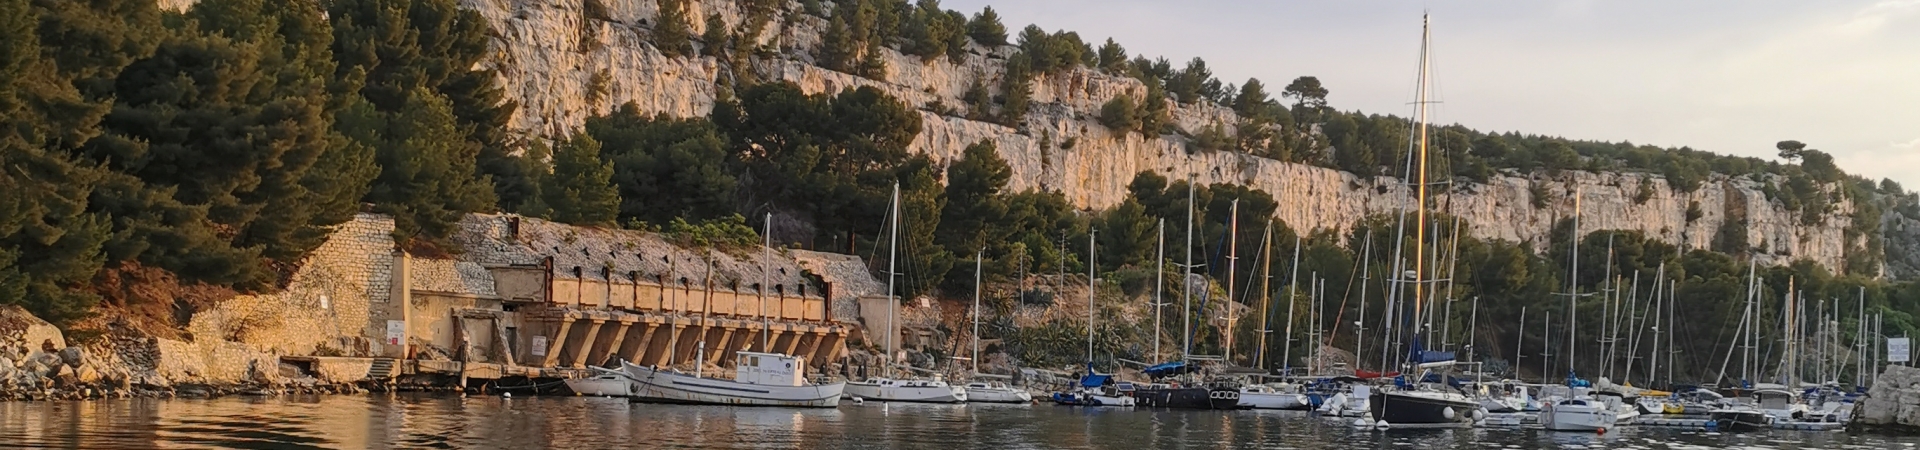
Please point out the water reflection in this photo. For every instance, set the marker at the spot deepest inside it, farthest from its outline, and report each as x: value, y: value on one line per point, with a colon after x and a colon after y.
x: 424, y: 421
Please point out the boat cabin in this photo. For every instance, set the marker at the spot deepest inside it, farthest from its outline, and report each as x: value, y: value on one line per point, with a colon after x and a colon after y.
x: 771, y: 369
x: 1773, y: 399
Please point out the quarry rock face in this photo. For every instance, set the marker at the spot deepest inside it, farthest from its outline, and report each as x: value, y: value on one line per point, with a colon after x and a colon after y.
x: 1893, y: 404
x: 548, y: 54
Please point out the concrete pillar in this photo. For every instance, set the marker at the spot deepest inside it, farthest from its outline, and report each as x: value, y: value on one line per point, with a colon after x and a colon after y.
x: 719, y: 348
x: 662, y: 342
x: 557, y: 342
x: 793, y: 340
x: 812, y: 346
x: 637, y: 341
x: 584, y: 346
x: 683, y: 348
x: 399, y: 308
x: 609, y: 343
x: 834, y: 346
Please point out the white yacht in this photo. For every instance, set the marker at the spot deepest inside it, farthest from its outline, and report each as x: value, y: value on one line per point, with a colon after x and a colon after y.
x: 760, y: 379
x: 933, y: 390
x: 1578, y: 412
x: 1262, y: 396
x: 996, y: 392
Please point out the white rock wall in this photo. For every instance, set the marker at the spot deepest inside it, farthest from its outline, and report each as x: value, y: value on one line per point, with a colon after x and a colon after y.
x: 542, y: 68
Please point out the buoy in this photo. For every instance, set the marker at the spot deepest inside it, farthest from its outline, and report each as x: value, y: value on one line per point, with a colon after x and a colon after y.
x: 506, y: 394
x: 1600, y: 431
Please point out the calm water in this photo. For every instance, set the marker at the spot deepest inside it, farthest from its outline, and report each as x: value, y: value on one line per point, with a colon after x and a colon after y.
x: 439, y: 421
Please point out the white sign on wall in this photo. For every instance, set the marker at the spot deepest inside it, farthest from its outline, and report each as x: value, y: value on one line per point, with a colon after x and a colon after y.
x: 539, y: 346
x: 396, y: 330
x: 1899, y: 350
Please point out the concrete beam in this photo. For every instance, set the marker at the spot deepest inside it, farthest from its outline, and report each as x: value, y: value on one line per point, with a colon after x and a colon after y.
x: 556, y: 343
x: 584, y: 348
x: 716, y: 351
x: 793, y: 341
x: 636, y: 342
x: 660, y: 343
x: 836, y: 344
x: 609, y: 343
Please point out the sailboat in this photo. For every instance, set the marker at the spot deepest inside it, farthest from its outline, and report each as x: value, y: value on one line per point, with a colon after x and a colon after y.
x: 1579, y: 410
x: 760, y: 379
x: 934, y: 390
x: 1415, y: 403
x: 1094, y: 388
x: 1267, y: 396
x: 1193, y: 394
x: 980, y: 391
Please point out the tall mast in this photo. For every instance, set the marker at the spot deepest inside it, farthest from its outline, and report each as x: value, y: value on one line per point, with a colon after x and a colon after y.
x: 1092, y: 262
x: 1186, y: 289
x: 893, y: 254
x: 1573, y: 282
x: 1360, y: 326
x: 1233, y: 257
x: 1420, y: 200
x: 1607, y: 313
x: 1159, y: 279
x: 1266, y: 294
x: 766, y: 325
x: 1519, y: 342
x: 1293, y: 284
x: 976, y: 308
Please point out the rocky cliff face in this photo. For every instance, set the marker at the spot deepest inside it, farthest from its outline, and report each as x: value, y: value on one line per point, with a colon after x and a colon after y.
x: 548, y: 52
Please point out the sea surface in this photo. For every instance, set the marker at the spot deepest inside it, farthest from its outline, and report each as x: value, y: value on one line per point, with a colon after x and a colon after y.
x: 452, y: 421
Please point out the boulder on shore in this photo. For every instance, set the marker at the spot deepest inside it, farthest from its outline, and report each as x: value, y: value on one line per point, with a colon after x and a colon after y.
x: 1893, y: 405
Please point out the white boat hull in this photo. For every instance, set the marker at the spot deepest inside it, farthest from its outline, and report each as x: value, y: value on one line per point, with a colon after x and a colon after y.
x: 991, y: 395
x: 1261, y: 400
x: 922, y: 394
x: 651, y: 385
x: 601, y: 386
x: 1590, y: 417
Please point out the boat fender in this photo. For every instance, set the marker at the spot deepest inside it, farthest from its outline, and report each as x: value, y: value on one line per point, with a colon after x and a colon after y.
x: 1479, y: 414
x: 859, y: 401
x: 1381, y: 425
x: 1361, y: 423
x: 1601, y: 430
x: 506, y: 395
x: 1448, y: 413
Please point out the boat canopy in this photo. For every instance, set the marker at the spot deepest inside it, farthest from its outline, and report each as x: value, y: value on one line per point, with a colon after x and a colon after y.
x: 1167, y: 369
x: 1095, y: 380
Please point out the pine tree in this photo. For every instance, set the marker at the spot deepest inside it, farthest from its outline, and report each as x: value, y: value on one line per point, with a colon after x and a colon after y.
x: 671, y: 33
x: 1017, y: 90
x: 1120, y: 114
x: 426, y: 168
x: 986, y: 29
x: 666, y: 168
x: 714, y: 41
x: 972, y: 219
x: 836, y: 45
x: 1113, y: 58
x: 580, y: 190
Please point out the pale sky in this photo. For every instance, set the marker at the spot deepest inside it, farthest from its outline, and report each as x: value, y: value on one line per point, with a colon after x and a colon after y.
x: 1730, y: 77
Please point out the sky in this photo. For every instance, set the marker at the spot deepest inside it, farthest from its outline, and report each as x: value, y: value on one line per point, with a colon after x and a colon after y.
x: 1730, y: 77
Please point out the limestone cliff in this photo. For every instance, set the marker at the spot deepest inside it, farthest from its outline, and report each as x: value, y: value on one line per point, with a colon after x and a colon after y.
x: 548, y: 51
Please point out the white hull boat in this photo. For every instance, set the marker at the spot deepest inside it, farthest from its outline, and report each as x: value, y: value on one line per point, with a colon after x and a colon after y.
x: 762, y: 379
x: 978, y: 392
x: 1262, y: 397
x: 891, y: 390
x: 1576, y: 415
x: 608, y: 384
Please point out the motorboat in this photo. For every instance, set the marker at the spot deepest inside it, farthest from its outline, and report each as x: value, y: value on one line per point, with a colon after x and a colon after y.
x: 1782, y: 404
x: 1097, y: 390
x: 607, y: 383
x: 1506, y: 398
x: 995, y: 392
x: 1624, y: 406
x: 760, y: 379
x: 1261, y: 396
x: 920, y: 390
x: 1349, y: 401
x: 1742, y: 418
x: 1579, y: 413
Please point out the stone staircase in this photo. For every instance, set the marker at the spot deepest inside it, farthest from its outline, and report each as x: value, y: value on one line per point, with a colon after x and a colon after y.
x: 382, y: 369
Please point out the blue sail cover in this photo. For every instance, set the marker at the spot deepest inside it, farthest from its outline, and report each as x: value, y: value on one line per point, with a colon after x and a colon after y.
x: 1433, y: 356
x: 1094, y: 381
x: 1165, y: 369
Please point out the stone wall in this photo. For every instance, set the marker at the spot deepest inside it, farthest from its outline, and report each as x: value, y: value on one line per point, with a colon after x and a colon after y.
x: 1893, y: 404
x: 326, y: 306
x: 545, y: 61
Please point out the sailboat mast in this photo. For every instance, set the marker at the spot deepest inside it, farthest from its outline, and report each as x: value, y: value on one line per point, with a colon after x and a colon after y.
x: 766, y: 324
x: 1159, y: 280
x: 977, y: 257
x: 1233, y: 257
x: 1266, y: 295
x: 893, y: 254
x: 1186, y: 289
x: 1293, y: 284
x: 1092, y: 262
x: 1360, y: 326
x: 1420, y: 200
x: 1519, y: 342
x: 1573, y: 282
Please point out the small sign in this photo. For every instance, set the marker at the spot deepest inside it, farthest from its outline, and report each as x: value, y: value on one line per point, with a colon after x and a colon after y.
x: 396, y: 330
x: 1899, y: 350
x: 539, y: 346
